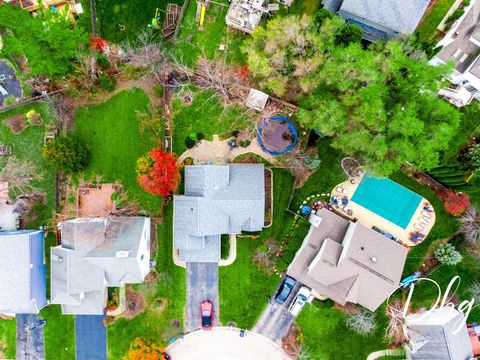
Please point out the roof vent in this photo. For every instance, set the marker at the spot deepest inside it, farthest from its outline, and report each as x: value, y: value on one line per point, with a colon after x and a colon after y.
x: 362, y: 248
x: 373, y: 259
x: 121, y: 254
x: 57, y: 258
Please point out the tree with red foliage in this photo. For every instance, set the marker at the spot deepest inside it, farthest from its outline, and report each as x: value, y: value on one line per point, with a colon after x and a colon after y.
x: 97, y: 43
x: 157, y: 172
x: 455, y: 203
x: 244, y: 72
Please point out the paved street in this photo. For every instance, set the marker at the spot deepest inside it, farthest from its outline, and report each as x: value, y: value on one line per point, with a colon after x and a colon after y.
x: 90, y: 337
x: 30, y: 341
x: 202, y: 284
x: 275, y: 320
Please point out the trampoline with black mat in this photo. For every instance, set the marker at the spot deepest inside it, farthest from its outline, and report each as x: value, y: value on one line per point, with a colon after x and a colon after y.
x: 277, y: 135
x: 9, y: 84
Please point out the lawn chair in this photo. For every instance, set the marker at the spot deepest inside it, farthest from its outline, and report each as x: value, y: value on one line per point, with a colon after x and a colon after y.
x: 423, y: 220
x: 339, y: 189
x: 426, y: 214
x: 419, y: 227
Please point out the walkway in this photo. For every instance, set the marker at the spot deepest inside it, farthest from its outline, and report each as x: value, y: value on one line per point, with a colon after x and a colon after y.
x: 384, y: 353
x: 218, y: 152
x: 30, y: 338
x: 90, y: 337
x: 202, y: 284
x: 222, y: 343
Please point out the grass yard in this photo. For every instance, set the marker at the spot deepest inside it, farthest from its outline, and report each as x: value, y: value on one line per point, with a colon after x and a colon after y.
x: 155, y: 324
x: 301, y: 7
x: 193, y: 43
x: 327, y: 338
x: 135, y: 15
x: 7, y: 339
x: 205, y: 114
x: 244, y: 289
x: 59, y: 333
x: 111, y: 130
x: 432, y: 18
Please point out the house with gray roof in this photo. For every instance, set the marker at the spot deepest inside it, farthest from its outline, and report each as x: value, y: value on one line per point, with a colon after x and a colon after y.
x: 218, y: 199
x: 437, y: 334
x: 96, y: 253
x: 380, y: 19
x: 22, y: 272
x: 461, y: 48
x: 348, y: 262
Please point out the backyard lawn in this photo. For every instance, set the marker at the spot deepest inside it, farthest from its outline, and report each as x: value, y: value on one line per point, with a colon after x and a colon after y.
x: 193, y: 43
x: 156, y: 323
x: 134, y: 15
x: 206, y: 115
x: 111, y: 130
x: 432, y: 18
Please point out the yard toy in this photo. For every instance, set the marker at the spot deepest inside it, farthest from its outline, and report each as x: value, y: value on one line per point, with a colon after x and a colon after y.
x: 202, y: 7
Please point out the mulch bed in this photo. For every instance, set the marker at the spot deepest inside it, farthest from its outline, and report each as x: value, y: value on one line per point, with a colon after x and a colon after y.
x: 135, y: 304
x: 16, y: 123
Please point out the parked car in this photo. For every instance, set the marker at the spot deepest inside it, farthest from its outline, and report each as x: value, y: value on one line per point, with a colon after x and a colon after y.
x: 285, y: 290
x: 300, y: 300
x: 206, y: 312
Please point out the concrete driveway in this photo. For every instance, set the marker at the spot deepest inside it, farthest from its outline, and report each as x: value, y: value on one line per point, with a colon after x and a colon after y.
x: 202, y: 284
x: 222, y: 343
x: 275, y: 320
x: 30, y: 340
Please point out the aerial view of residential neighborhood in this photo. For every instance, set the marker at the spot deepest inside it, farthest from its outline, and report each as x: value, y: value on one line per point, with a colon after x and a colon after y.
x: 240, y: 179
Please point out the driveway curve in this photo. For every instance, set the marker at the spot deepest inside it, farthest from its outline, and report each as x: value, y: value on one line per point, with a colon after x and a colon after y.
x: 223, y: 343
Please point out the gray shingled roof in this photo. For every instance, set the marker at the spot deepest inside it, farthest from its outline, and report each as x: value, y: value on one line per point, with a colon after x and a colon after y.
x: 96, y: 253
x: 399, y: 15
x: 16, y: 275
x: 434, y: 336
x: 348, y: 262
x: 219, y: 199
x: 459, y: 48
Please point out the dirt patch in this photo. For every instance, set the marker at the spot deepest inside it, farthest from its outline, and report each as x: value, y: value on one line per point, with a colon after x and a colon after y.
x: 16, y: 123
x: 291, y: 343
x: 158, y: 304
x: 135, y: 304
x: 347, y: 309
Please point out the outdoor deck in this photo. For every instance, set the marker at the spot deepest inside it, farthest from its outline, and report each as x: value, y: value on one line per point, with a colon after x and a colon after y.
x: 369, y: 218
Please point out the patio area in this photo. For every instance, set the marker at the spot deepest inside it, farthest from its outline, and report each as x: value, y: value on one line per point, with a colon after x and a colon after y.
x: 395, y: 211
x: 93, y: 202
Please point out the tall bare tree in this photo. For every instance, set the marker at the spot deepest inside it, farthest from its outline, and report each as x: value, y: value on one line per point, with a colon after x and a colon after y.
x: 470, y: 227
x: 361, y: 321
x: 21, y: 175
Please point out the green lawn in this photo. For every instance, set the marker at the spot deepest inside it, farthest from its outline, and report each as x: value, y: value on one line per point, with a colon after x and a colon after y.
x: 432, y: 18
x: 111, y: 130
x: 152, y: 324
x: 59, y: 334
x: 327, y: 338
x: 7, y: 338
x: 205, y: 114
x: 193, y: 43
x: 135, y: 15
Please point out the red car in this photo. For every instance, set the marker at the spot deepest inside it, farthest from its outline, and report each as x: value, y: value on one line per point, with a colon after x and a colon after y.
x: 206, y: 311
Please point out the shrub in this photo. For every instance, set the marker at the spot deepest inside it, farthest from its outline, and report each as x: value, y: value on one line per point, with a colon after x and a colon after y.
x: 162, y: 177
x: 473, y: 157
x: 447, y: 255
x: 33, y: 118
x: 235, y: 133
x: 348, y: 34
x: 107, y: 83
x: 158, y: 91
x: 320, y: 16
x: 244, y: 143
x: 103, y: 61
x: 465, y: 3
x: 189, y: 142
x: 361, y: 321
x: 9, y: 100
x: 200, y: 136
x: 66, y: 153
x: 455, y: 203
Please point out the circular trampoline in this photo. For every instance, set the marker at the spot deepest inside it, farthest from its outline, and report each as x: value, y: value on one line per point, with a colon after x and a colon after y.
x: 277, y: 135
x: 9, y: 84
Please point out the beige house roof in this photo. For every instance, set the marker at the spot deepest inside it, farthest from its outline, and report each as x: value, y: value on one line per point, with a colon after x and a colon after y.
x: 349, y: 262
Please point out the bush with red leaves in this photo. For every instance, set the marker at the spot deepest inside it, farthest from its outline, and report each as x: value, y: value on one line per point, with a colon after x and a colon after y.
x: 455, y: 203
x: 157, y: 172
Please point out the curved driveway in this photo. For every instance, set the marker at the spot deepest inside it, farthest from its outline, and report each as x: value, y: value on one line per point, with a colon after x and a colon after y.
x: 222, y: 343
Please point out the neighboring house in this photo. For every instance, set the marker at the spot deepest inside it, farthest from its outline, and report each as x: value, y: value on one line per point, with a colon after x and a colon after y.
x: 435, y: 335
x: 219, y: 199
x: 461, y: 46
x: 22, y: 272
x: 380, y: 19
x: 348, y: 262
x: 96, y: 253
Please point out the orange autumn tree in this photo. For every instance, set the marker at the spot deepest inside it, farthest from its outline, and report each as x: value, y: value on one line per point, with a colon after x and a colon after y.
x: 140, y: 349
x: 157, y: 172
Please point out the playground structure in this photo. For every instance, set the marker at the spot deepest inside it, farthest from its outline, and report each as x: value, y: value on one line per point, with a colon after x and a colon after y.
x: 277, y: 135
x: 245, y: 15
x: 170, y: 23
x: 69, y: 7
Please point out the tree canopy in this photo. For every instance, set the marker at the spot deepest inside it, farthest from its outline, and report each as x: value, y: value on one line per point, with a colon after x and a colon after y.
x: 35, y: 37
x: 157, y: 172
x: 378, y: 103
x: 66, y: 153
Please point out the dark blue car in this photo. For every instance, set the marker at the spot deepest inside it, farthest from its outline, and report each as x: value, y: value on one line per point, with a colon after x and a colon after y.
x: 285, y: 290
